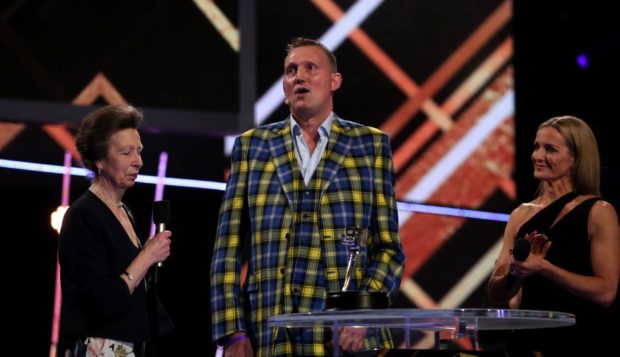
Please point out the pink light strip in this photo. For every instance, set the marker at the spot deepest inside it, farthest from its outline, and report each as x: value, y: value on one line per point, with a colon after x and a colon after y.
x: 64, y: 201
x: 159, y: 186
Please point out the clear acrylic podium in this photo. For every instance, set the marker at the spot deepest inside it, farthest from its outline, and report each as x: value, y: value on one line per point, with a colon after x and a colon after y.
x: 456, y: 322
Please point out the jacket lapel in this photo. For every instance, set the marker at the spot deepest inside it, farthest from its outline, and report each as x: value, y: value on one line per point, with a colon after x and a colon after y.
x: 283, y: 156
x: 337, y: 149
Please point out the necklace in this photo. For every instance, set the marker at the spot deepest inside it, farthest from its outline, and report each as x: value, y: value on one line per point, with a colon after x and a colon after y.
x: 127, y: 225
x: 97, y: 193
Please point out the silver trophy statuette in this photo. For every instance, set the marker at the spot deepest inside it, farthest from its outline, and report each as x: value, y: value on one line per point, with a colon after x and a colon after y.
x: 355, y: 241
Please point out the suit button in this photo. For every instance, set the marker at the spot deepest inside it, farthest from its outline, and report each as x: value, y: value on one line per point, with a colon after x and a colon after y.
x: 288, y: 236
x: 296, y: 290
x: 282, y: 270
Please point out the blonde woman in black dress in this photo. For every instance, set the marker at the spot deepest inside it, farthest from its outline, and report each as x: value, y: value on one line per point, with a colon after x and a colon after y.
x: 574, y: 262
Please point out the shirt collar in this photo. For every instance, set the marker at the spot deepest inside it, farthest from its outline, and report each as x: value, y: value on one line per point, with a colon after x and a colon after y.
x: 324, y: 129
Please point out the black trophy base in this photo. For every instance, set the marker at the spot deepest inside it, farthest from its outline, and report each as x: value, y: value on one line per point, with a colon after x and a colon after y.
x: 355, y: 300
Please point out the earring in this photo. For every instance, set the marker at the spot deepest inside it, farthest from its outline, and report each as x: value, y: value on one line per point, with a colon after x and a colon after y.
x: 99, y: 171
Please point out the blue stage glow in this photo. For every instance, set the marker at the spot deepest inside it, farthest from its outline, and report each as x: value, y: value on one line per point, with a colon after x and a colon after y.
x: 583, y: 60
x: 220, y: 186
x: 451, y: 211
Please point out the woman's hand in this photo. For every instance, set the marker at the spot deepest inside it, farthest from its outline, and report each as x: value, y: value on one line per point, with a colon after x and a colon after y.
x: 539, y: 243
x: 539, y: 246
x: 157, y: 248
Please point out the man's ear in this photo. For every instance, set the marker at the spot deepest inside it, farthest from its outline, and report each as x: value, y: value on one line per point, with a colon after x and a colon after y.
x: 336, y: 81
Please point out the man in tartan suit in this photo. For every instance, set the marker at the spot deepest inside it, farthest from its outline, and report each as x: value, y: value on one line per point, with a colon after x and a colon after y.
x: 294, y: 188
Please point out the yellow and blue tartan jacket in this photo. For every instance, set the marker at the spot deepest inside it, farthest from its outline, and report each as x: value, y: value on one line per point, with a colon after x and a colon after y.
x: 295, y: 255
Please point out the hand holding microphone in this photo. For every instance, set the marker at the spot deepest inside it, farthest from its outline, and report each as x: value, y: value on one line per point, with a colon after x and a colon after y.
x: 520, y: 252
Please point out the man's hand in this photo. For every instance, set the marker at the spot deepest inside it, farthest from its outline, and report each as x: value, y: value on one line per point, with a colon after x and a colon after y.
x: 351, y: 339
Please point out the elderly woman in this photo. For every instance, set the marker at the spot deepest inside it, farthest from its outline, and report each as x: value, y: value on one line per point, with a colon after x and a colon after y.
x: 108, y: 304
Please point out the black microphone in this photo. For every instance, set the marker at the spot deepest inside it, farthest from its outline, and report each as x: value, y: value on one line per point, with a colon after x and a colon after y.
x: 520, y: 252
x: 161, y: 217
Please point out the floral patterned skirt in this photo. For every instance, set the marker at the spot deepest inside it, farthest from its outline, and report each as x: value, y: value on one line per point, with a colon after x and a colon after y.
x: 99, y: 347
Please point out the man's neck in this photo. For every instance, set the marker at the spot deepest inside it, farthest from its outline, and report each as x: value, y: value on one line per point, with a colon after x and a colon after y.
x: 310, y: 126
x: 310, y: 129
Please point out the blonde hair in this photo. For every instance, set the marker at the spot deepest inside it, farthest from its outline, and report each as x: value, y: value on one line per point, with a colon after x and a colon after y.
x: 586, y: 171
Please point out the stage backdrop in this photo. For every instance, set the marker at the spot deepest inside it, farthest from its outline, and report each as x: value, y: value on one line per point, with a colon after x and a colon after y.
x: 437, y: 76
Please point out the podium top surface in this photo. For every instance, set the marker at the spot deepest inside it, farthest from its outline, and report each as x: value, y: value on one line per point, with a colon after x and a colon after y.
x: 429, y: 319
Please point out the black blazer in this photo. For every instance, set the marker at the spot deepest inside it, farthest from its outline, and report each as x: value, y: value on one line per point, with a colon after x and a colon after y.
x: 94, y: 250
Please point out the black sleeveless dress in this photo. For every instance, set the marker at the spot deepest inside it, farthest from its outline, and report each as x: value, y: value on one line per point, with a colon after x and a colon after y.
x: 594, y: 328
